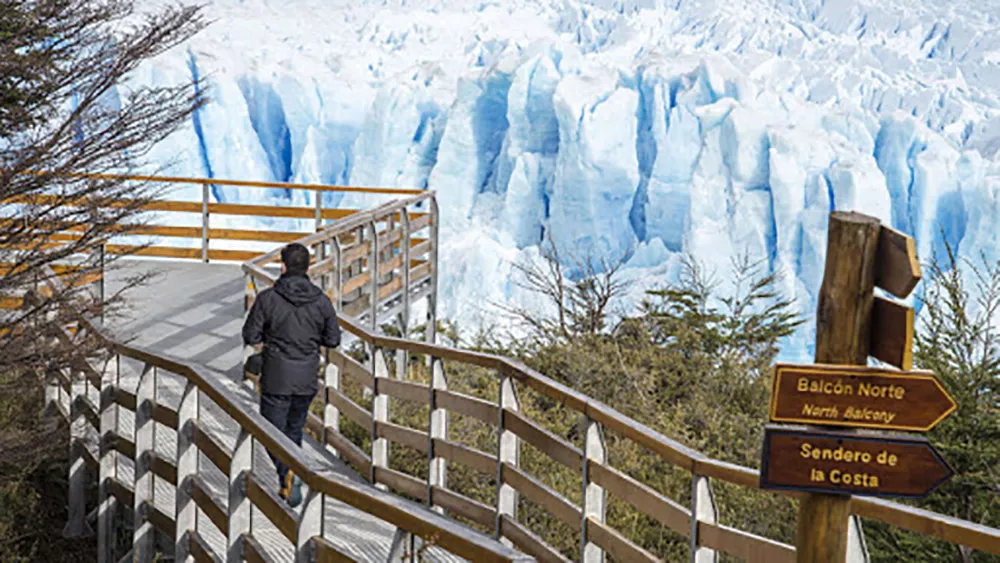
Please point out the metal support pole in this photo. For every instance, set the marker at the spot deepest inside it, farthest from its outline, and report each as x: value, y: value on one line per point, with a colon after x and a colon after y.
x: 508, y: 453
x: 331, y: 414
x: 437, y: 474
x: 373, y: 276
x: 594, y: 496
x: 380, y: 413
x: 702, y: 510
x: 76, y: 524
x: 204, y: 222
x: 106, y: 521
x: 240, y: 510
x: 145, y: 444
x: 433, y: 257
x: 187, y: 471
x: 309, y: 525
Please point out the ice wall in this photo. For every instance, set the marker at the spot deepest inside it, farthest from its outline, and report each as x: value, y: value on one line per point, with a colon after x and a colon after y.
x: 634, y: 129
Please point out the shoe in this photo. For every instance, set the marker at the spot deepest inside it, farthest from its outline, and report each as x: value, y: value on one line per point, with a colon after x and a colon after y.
x: 295, y: 493
x: 286, y: 486
x: 291, y: 490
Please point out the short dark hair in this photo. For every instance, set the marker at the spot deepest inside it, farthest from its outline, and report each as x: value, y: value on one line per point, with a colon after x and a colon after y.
x: 295, y: 257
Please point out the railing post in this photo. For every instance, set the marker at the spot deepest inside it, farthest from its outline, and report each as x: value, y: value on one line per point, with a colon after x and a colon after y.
x: 380, y: 413
x: 406, y: 270
x: 594, y: 497
x: 108, y: 504
x: 204, y: 222
x: 857, y: 548
x: 187, y: 469
x: 508, y: 452
x: 402, y: 548
x: 437, y: 474
x: 338, y: 276
x: 76, y: 524
x: 239, y: 504
x: 145, y: 442
x: 319, y: 210
x: 431, y: 334
x: 310, y: 525
x: 331, y: 414
x: 373, y: 261
x: 702, y: 510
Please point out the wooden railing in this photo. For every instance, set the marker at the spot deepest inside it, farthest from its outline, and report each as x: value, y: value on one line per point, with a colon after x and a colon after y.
x: 205, y: 397
x: 195, y: 242
x: 696, y: 520
x: 396, y: 237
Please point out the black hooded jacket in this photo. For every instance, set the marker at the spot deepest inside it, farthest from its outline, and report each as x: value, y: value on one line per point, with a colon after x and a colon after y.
x: 292, y: 319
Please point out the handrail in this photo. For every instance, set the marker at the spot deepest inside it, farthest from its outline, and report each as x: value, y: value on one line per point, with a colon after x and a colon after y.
x: 352, y: 221
x: 318, y: 477
x: 914, y: 519
x: 404, y: 514
x: 242, y: 183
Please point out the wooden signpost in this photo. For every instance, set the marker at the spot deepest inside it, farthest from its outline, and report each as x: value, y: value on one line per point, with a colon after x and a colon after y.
x: 839, y: 391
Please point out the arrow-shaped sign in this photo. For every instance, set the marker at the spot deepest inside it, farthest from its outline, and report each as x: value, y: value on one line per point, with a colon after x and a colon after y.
x: 858, y: 396
x: 897, y: 269
x: 830, y: 462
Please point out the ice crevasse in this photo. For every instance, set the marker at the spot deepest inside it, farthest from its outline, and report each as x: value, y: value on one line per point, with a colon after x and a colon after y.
x: 585, y: 133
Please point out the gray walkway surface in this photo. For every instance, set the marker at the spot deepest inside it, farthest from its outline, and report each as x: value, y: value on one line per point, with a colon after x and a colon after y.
x: 194, y: 311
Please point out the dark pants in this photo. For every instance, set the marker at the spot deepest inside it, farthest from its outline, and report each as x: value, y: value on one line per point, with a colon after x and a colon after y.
x: 288, y: 414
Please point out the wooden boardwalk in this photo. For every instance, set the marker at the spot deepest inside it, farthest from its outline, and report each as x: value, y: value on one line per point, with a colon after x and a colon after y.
x: 194, y: 312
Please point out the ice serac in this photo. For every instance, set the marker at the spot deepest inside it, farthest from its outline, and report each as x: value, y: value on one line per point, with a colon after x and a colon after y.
x: 527, y: 161
x: 596, y: 170
x: 471, y: 143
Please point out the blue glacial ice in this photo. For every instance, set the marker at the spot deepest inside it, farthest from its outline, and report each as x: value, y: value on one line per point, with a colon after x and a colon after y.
x: 631, y: 129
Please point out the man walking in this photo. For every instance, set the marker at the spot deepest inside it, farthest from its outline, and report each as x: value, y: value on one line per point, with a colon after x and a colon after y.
x: 292, y: 320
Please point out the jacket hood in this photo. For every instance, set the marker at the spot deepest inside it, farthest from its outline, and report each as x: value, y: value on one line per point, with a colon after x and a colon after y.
x: 297, y: 290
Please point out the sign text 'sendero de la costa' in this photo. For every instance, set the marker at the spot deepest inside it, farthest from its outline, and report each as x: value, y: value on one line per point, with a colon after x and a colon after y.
x: 820, y: 461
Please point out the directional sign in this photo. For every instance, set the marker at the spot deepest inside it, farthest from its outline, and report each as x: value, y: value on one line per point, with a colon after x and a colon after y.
x: 891, y: 337
x: 830, y: 462
x: 897, y: 269
x: 858, y: 396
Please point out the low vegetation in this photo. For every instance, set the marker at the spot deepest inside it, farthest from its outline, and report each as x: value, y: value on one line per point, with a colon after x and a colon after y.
x: 694, y: 364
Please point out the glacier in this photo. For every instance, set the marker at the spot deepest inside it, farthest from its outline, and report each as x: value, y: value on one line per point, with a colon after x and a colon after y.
x: 634, y: 130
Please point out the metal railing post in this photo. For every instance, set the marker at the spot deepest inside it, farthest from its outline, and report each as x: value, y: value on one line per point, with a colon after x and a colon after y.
x: 857, y: 547
x: 431, y: 334
x: 594, y: 496
x: 437, y: 474
x: 331, y: 414
x: 204, y: 222
x: 76, y: 524
x: 309, y: 525
x: 373, y: 261
x: 239, y: 507
x: 702, y: 510
x: 406, y: 270
x: 319, y: 210
x: 108, y: 505
x: 380, y: 413
x: 337, y: 274
x: 508, y: 452
x: 187, y: 470
x: 145, y: 443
